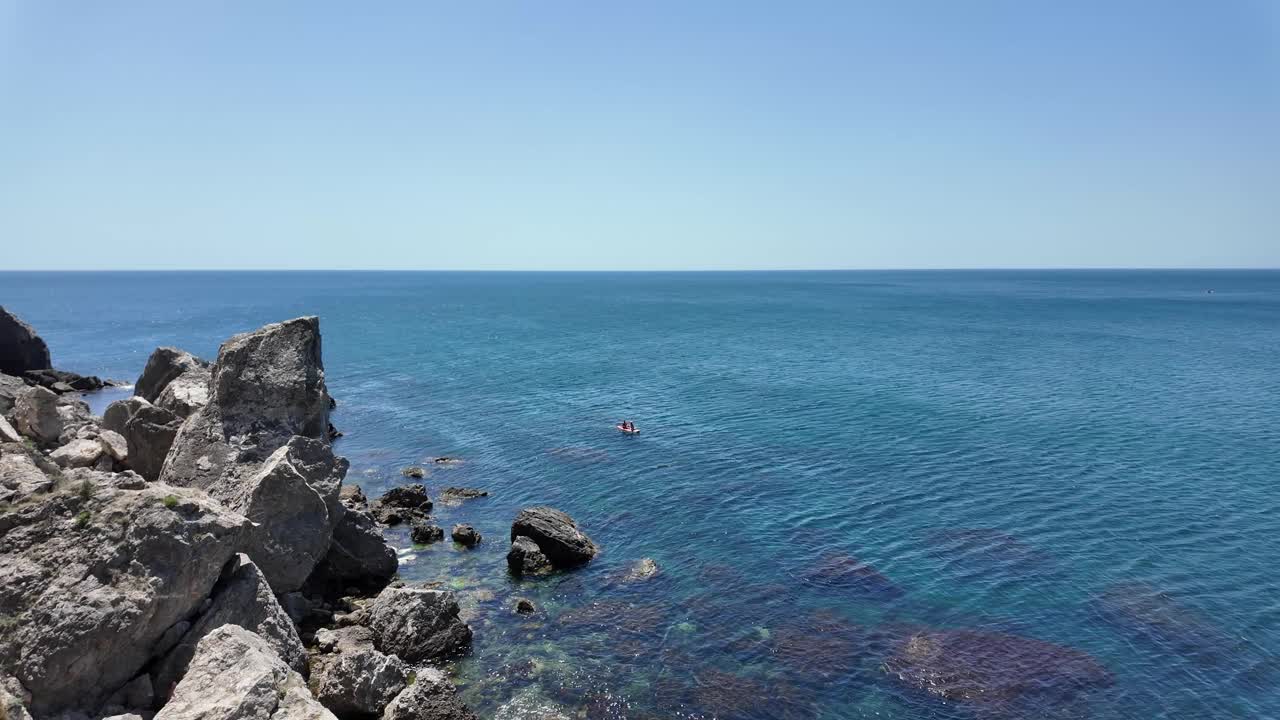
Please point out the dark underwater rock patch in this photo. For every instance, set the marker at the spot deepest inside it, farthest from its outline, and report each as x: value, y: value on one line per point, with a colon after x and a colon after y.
x: 1151, y: 613
x: 823, y: 644
x: 987, y: 549
x: 720, y: 694
x: 617, y: 616
x: 846, y: 572
x: 995, y: 673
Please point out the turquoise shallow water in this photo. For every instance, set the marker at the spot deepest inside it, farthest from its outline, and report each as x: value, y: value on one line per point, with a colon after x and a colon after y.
x: 1084, y: 458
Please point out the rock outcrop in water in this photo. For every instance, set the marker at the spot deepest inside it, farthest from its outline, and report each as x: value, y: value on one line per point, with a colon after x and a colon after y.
x: 21, y: 349
x: 25, y: 356
x: 406, y: 504
x: 555, y: 534
x: 418, y: 623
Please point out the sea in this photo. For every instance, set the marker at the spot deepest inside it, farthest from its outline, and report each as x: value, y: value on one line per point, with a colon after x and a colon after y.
x: 970, y: 494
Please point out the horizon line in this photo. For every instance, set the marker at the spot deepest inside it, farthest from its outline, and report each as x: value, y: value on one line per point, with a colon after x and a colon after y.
x: 1027, y: 268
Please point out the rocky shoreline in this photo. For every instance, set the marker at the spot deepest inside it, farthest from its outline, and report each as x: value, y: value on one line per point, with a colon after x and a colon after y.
x: 196, y: 552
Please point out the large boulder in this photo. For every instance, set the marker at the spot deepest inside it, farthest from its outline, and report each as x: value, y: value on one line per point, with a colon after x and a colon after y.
x: 358, y: 682
x: 260, y: 445
x: 292, y: 501
x: 430, y: 697
x: 77, y: 420
x: 235, y: 675
x: 35, y: 415
x: 81, y: 452
x: 165, y: 365
x: 266, y: 387
x: 556, y: 534
x: 241, y: 597
x: 358, y: 556
x: 10, y: 386
x: 418, y: 623
x: 21, y: 349
x: 94, y: 578
x: 20, y: 476
x: 148, y: 432
x: 187, y: 393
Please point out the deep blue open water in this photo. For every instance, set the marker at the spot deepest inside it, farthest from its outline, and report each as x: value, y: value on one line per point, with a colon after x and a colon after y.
x: 1089, y: 459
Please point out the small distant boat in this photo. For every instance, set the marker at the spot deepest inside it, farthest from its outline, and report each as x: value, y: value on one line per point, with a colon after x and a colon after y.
x: 630, y: 431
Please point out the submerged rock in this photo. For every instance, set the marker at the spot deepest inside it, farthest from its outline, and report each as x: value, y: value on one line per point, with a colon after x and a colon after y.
x: 241, y: 597
x: 1153, y: 614
x: 418, y: 623
x: 414, y: 472
x: 21, y: 349
x: 235, y: 675
x: 995, y: 672
x: 556, y: 535
x: 642, y: 569
x: 849, y: 573
x: 95, y: 576
x: 823, y: 644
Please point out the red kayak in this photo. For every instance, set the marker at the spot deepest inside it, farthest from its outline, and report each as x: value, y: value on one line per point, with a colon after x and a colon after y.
x: 632, y: 431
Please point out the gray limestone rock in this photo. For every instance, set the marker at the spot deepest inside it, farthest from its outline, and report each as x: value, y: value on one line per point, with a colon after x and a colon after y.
x: 418, y: 623
x: 242, y: 597
x: 235, y: 675
x: 94, y: 576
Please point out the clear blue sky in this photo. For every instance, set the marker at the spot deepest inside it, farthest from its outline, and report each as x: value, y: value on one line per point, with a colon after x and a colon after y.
x: 639, y: 135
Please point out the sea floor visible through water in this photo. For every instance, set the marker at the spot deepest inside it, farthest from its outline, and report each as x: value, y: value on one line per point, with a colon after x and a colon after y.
x: 868, y: 494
